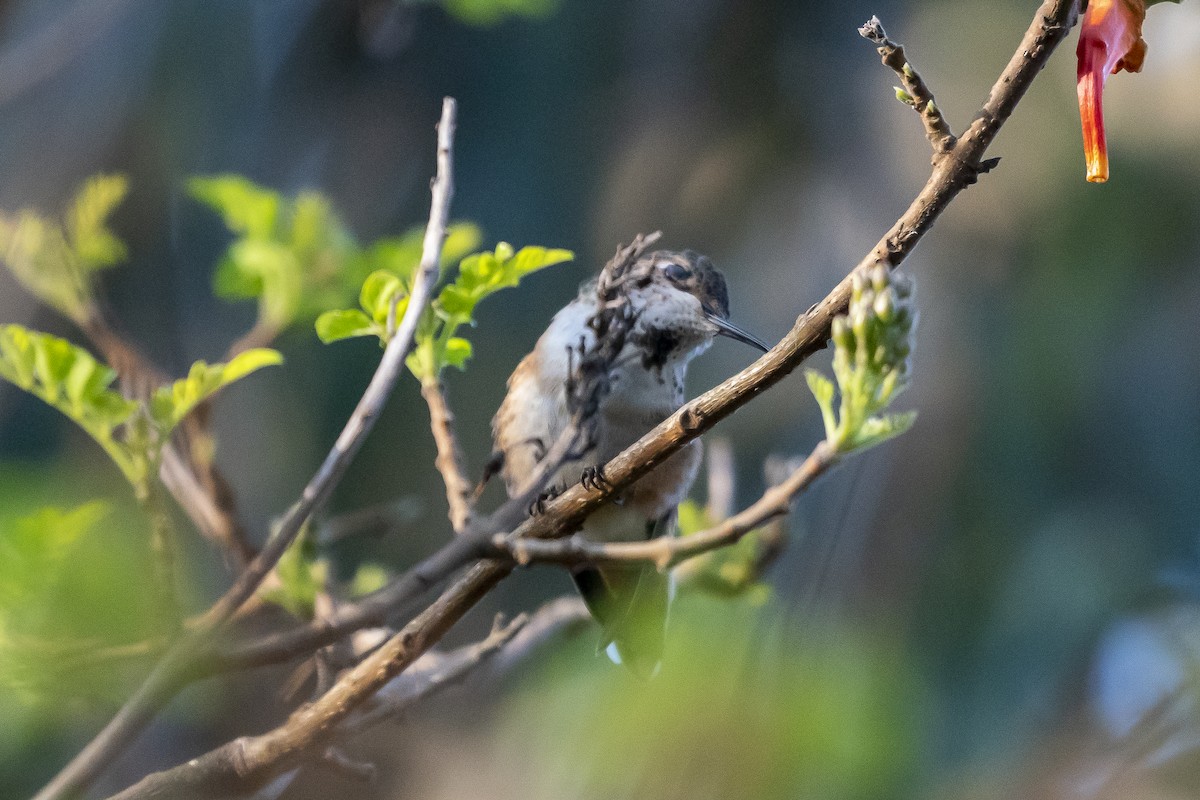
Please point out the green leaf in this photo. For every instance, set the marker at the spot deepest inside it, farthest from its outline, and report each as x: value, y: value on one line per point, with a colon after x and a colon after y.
x: 820, y: 386
x: 457, y: 304
x: 266, y: 270
x: 36, y: 544
x: 692, y: 518
x: 877, y: 430
x: 378, y: 291
x: 301, y: 576
x: 54, y: 261
x: 456, y: 353
x: 532, y: 259
x: 86, y: 221
x: 368, y: 578
x: 461, y: 239
x: 65, y: 597
x: 246, y: 207
x: 293, y: 254
x: 822, y: 389
x: 71, y: 380
x: 170, y: 404
x: 313, y: 222
x: 483, y: 274
x: 333, y: 326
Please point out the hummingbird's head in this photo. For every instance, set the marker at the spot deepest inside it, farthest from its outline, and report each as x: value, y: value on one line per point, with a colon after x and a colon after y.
x: 686, y: 294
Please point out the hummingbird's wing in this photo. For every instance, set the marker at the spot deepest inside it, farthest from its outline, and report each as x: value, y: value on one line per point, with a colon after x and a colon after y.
x: 631, y: 604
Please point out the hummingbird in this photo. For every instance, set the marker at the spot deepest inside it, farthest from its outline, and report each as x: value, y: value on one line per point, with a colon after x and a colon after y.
x: 679, y: 304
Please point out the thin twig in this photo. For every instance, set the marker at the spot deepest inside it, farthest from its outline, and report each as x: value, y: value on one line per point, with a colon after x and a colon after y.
x: 667, y: 551
x: 173, y: 670
x: 449, y: 462
x: 215, y: 522
x: 164, y: 545
x: 211, y: 513
x: 261, y: 334
x: 369, y: 522
x: 916, y: 92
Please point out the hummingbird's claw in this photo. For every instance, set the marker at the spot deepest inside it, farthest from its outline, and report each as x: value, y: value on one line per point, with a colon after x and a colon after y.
x: 538, y: 506
x: 593, y: 478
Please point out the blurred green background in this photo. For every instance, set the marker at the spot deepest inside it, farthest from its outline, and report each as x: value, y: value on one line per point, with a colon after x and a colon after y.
x: 1000, y: 603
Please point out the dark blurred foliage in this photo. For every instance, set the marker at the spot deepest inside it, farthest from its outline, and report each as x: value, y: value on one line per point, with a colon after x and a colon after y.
x: 934, y: 624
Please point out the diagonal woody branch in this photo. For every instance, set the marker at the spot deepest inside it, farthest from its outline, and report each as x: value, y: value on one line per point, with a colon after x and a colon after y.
x: 253, y: 760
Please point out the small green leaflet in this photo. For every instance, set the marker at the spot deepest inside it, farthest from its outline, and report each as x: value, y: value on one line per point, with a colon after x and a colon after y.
x: 71, y: 380
x: 436, y: 346
x: 333, y: 326
x: 53, y: 260
x: 303, y: 573
x: 170, y: 404
x: 32, y: 547
x: 379, y: 291
x: 86, y: 221
x: 297, y: 258
x: 247, y: 208
x: 486, y: 273
x: 301, y: 577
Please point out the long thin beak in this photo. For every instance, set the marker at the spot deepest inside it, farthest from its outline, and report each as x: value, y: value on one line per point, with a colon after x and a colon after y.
x: 727, y: 328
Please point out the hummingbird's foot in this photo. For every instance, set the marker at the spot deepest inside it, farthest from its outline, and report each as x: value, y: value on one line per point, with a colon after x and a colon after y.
x: 538, y: 506
x: 593, y: 478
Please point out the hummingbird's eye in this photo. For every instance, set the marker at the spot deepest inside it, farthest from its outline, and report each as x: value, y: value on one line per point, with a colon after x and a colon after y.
x: 677, y: 272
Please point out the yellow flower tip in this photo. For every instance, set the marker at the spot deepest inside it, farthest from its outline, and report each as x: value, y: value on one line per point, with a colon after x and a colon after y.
x: 1091, y: 115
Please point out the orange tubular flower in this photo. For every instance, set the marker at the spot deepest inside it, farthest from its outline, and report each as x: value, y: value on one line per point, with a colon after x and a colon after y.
x: 1110, y: 40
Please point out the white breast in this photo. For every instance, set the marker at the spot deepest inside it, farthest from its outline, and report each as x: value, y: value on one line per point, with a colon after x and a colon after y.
x: 639, y: 398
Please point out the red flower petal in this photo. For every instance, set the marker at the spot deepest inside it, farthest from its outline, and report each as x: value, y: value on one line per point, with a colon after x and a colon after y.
x: 1110, y: 39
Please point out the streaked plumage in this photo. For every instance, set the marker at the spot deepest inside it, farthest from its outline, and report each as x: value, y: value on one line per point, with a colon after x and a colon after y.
x: 681, y: 304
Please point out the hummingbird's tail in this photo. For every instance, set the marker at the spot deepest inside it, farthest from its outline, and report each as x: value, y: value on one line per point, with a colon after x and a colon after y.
x: 630, y: 603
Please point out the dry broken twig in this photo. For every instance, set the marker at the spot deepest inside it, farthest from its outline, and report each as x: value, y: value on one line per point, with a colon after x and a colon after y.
x: 915, y: 93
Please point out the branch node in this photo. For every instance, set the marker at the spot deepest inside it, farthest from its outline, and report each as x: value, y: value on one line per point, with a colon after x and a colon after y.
x: 914, y: 92
x: 987, y: 165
